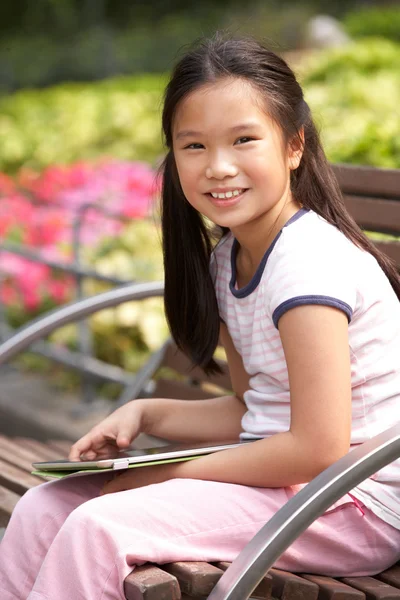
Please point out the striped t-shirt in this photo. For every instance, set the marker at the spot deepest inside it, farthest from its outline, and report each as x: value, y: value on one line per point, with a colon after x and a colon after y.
x: 312, y: 262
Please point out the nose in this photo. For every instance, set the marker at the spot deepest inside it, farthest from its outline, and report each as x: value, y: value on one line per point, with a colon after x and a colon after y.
x: 220, y: 167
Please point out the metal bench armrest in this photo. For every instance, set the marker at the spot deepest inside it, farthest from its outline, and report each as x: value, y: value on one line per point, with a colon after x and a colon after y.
x: 245, y: 573
x: 75, y: 311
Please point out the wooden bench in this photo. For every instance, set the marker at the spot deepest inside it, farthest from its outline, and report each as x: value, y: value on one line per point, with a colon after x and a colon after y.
x: 373, y: 197
x: 187, y: 579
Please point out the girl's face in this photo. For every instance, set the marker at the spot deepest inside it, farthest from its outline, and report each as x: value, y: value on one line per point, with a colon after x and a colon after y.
x: 231, y: 158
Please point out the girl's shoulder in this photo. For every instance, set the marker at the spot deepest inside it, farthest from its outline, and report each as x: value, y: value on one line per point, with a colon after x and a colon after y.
x: 313, y: 258
x: 313, y: 235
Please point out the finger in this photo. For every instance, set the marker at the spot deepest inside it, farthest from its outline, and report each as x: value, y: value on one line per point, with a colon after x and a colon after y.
x: 90, y: 455
x: 87, y: 446
x: 99, y: 445
x: 124, y: 439
x: 81, y: 446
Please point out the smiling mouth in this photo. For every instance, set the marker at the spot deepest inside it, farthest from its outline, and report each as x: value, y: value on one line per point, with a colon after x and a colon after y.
x: 227, y: 198
x: 228, y: 194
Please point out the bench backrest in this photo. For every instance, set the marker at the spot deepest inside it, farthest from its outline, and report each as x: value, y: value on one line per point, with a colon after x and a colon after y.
x: 372, y: 197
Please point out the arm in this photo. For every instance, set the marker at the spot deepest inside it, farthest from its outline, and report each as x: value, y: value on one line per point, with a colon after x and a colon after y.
x: 217, y: 419
x: 315, y: 342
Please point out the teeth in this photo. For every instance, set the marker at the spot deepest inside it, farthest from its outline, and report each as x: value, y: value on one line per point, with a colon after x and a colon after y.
x: 223, y: 196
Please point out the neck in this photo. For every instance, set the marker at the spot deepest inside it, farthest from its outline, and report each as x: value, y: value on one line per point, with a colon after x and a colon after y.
x: 255, y: 238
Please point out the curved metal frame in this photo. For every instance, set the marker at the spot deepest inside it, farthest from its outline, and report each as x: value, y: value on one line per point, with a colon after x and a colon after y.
x: 75, y: 311
x: 243, y: 576
x: 254, y: 561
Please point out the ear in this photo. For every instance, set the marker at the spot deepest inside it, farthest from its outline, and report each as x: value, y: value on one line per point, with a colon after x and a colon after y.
x: 296, y: 148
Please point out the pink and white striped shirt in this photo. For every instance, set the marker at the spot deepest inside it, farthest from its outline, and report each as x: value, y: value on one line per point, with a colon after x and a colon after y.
x: 312, y: 262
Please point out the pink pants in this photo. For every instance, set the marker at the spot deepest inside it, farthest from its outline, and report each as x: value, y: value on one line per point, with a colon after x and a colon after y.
x: 65, y: 542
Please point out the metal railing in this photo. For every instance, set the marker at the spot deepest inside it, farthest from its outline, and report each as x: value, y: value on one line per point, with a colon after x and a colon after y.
x: 261, y: 553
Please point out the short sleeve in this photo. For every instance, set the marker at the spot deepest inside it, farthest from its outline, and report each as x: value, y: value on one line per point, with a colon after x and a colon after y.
x: 311, y: 267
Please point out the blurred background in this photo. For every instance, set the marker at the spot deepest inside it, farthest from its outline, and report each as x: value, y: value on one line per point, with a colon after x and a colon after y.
x: 81, y: 85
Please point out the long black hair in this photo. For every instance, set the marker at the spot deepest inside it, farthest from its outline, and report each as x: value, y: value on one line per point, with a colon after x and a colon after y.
x: 190, y: 301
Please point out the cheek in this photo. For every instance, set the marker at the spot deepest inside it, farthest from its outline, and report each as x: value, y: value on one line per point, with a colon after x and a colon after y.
x: 188, y: 176
x: 270, y: 170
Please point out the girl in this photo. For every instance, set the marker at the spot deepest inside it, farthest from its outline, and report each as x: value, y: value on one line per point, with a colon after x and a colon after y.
x: 308, y: 312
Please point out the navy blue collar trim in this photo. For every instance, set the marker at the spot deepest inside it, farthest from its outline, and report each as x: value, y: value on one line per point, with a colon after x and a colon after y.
x: 251, y: 286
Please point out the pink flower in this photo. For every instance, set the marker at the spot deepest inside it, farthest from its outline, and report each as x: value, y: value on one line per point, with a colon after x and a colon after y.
x: 7, y: 186
x: 8, y: 294
x: 47, y: 185
x: 59, y: 290
x: 15, y: 213
x: 32, y: 300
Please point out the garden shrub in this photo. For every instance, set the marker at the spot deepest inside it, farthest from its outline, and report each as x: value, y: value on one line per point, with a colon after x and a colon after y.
x: 374, y: 21
x: 354, y: 93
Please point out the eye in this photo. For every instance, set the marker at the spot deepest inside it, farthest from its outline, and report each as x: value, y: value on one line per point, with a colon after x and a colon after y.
x: 193, y: 146
x: 244, y: 140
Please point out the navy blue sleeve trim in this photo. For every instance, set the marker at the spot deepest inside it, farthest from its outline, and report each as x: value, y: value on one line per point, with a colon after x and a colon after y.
x: 303, y: 300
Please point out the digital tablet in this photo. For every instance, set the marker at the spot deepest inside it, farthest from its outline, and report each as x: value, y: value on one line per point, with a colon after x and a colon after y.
x: 146, y: 455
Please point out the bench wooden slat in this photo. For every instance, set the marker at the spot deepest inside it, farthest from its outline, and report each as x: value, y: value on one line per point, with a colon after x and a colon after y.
x: 196, y: 579
x: 289, y: 586
x: 19, y: 449
x: 391, y: 576
x: 392, y: 249
x: 374, y: 214
x: 151, y: 583
x: 41, y: 450
x: 264, y: 589
x: 15, y: 479
x: 18, y: 461
x: 332, y: 589
x: 373, y: 588
x: 359, y: 180
x: 8, y: 500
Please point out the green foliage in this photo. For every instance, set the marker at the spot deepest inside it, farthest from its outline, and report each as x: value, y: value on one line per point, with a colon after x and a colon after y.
x: 118, y: 117
x: 374, y: 21
x: 366, y: 57
x: 354, y: 94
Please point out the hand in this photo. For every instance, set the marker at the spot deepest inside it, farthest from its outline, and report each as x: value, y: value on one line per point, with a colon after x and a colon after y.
x: 140, y: 477
x: 114, y: 433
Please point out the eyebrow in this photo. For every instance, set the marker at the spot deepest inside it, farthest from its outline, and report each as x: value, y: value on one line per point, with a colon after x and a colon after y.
x: 236, y: 129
